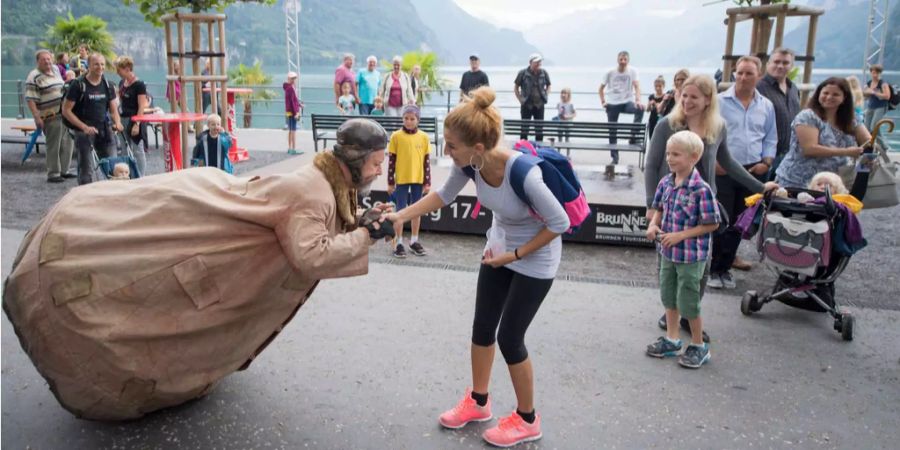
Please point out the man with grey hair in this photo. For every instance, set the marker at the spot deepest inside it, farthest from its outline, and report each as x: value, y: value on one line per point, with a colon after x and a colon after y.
x: 185, y: 308
x: 367, y: 86
x: 43, y: 93
x: 88, y: 101
x: 785, y: 97
x: 344, y: 74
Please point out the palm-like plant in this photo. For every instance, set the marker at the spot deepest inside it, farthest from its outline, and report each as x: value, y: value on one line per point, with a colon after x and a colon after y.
x: 68, y: 33
x: 428, y: 62
x: 252, y: 76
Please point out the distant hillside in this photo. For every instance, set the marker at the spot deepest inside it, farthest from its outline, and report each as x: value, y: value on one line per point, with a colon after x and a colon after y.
x: 254, y: 32
x: 460, y: 35
x: 692, y: 33
x: 841, y: 34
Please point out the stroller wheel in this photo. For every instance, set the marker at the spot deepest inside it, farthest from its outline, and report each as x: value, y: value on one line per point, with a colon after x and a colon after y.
x: 847, y: 327
x: 750, y: 303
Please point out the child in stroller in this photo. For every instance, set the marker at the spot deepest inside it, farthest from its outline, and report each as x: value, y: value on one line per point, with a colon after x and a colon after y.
x: 806, y: 238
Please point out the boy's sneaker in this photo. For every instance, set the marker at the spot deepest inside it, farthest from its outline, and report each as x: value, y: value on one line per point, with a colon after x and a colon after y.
x: 292, y: 151
x: 399, y: 252
x: 715, y: 281
x: 467, y: 410
x: 663, y: 348
x: 694, y: 356
x: 727, y: 280
x: 417, y: 249
x: 512, y: 430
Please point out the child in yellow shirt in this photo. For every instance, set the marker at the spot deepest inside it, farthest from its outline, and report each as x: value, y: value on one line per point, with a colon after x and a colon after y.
x: 409, y: 174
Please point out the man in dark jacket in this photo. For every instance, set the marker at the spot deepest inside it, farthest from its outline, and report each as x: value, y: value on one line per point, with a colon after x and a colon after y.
x: 532, y: 88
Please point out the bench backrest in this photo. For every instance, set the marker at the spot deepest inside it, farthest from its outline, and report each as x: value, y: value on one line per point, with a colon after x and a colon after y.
x: 390, y: 123
x: 597, y: 130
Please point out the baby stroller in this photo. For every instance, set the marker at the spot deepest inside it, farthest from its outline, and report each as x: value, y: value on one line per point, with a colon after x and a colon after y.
x: 796, y: 242
x: 103, y: 167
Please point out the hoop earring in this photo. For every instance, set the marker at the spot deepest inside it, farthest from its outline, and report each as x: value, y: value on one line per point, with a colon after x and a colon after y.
x: 474, y: 167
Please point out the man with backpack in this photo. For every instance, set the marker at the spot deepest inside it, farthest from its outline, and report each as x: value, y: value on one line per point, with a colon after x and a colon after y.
x: 43, y: 92
x: 85, y: 109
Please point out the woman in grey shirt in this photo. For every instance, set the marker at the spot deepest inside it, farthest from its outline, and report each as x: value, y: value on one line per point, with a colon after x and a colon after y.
x: 697, y: 111
x: 511, y: 285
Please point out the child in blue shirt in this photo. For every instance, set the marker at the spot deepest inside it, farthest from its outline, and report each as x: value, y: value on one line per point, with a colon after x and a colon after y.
x: 685, y: 216
x: 212, y: 146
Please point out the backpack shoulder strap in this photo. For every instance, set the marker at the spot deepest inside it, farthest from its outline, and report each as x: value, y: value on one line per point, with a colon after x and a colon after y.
x: 520, y: 168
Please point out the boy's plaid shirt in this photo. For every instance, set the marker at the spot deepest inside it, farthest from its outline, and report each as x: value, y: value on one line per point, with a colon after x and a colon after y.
x: 683, y: 207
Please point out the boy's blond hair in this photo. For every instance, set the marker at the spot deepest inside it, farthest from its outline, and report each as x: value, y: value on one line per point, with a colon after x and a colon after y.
x: 687, y: 141
x: 215, y: 117
x: 832, y: 178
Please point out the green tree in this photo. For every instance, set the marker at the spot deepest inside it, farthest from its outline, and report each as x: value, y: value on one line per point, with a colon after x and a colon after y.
x: 153, y: 10
x: 251, y: 76
x: 68, y: 33
x: 429, y: 76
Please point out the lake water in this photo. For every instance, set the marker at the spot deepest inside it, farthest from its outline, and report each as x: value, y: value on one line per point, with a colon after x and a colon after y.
x: 316, y: 91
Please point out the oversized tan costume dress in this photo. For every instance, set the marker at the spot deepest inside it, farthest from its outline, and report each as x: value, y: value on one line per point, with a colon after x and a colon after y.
x: 137, y: 295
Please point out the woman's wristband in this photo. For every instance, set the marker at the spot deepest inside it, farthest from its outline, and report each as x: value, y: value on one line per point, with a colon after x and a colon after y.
x: 516, y: 253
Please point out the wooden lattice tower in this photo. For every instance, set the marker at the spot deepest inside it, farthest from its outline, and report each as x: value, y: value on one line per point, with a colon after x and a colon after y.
x: 762, y: 17
x: 214, y: 51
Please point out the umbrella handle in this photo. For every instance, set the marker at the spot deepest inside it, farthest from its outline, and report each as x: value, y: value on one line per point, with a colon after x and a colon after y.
x: 877, y: 128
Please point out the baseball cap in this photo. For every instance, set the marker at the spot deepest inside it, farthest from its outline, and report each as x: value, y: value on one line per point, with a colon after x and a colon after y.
x: 473, y: 56
x: 291, y: 75
x: 535, y: 57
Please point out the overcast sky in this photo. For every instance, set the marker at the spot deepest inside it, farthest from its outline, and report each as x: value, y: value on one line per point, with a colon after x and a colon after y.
x: 521, y: 14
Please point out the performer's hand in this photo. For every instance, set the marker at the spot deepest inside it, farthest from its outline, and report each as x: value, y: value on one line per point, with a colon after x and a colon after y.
x: 380, y: 228
x: 385, y: 207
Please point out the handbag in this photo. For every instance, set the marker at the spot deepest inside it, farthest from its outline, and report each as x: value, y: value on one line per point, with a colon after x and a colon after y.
x: 881, y: 187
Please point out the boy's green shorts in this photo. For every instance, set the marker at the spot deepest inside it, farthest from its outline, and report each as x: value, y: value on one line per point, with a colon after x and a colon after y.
x: 679, y: 286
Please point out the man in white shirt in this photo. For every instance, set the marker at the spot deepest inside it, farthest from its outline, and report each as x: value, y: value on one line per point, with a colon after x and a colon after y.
x: 621, y: 92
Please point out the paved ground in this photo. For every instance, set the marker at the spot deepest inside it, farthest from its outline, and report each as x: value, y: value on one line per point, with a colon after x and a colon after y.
x: 371, y: 361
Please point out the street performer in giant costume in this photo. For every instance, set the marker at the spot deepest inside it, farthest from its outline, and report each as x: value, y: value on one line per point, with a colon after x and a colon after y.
x: 134, y: 296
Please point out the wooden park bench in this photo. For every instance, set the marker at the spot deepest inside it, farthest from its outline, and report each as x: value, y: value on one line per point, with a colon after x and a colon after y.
x: 324, y: 127
x: 568, y: 136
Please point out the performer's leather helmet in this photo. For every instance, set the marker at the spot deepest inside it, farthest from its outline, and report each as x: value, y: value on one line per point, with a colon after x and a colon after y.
x: 356, y: 139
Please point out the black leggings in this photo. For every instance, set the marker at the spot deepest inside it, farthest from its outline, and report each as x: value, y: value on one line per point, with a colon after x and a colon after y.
x: 510, y: 300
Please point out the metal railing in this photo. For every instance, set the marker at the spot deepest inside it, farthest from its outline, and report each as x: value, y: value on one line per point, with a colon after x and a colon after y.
x: 269, y: 113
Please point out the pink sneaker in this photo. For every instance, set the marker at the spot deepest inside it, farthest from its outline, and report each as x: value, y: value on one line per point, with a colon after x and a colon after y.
x: 467, y: 410
x: 512, y: 430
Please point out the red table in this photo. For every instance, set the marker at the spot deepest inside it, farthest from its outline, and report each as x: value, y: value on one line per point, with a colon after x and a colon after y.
x: 171, y: 134
x: 236, y: 154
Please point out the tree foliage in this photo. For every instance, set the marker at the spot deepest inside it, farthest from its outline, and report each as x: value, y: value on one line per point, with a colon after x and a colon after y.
x: 153, y: 10
x: 254, y: 75
x: 68, y: 33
